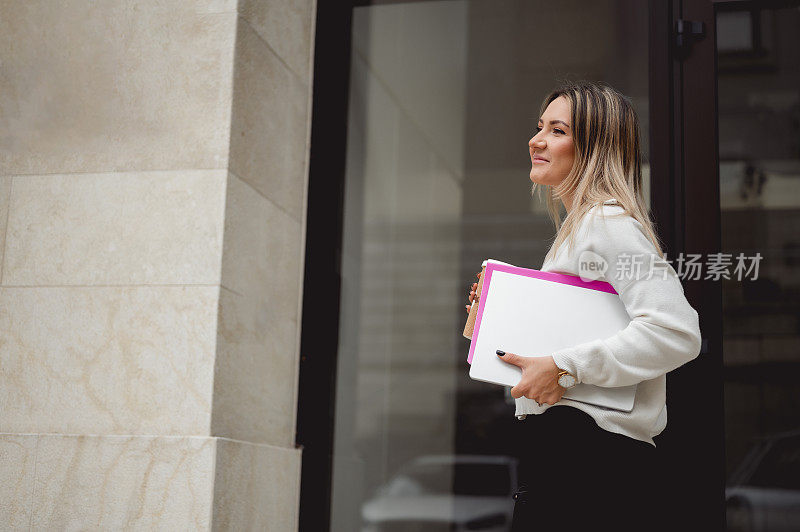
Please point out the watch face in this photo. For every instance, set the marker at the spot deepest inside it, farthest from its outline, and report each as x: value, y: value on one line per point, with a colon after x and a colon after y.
x: 566, y: 381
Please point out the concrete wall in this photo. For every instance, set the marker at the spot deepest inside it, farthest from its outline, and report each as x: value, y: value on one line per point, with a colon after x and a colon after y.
x: 153, y: 172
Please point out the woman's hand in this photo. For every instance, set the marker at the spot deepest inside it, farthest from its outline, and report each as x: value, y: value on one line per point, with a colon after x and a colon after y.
x: 539, y: 378
x: 472, y: 295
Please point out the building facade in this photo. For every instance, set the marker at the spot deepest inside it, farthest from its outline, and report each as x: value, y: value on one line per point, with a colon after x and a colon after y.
x: 237, y: 239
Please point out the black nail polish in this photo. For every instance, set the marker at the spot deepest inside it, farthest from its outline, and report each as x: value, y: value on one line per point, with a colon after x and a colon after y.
x: 501, y: 353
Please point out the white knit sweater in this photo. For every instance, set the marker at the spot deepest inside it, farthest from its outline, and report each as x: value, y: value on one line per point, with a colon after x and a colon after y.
x: 663, y: 335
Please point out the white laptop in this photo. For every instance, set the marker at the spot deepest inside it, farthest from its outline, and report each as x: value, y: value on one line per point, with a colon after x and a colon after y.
x: 534, y: 313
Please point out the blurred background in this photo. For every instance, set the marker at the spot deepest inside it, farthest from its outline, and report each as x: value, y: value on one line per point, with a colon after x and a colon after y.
x: 758, y: 52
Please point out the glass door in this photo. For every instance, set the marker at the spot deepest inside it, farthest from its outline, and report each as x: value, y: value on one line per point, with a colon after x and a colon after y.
x: 443, y: 98
x: 758, y: 53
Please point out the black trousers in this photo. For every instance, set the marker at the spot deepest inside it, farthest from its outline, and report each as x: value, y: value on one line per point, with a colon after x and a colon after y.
x: 575, y: 475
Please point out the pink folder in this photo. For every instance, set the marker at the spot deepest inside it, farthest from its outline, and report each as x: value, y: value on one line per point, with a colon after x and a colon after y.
x: 493, y: 266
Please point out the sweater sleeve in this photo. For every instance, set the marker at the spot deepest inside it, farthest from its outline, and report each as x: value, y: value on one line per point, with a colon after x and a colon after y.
x: 664, y: 331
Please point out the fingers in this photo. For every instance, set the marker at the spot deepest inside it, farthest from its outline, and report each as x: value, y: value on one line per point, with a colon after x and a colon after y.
x: 517, y: 392
x: 546, y: 399
x: 472, y: 296
x: 539, y: 402
x: 511, y: 358
x: 534, y: 384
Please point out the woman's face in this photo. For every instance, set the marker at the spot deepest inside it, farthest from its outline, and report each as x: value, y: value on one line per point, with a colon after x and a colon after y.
x: 552, y: 142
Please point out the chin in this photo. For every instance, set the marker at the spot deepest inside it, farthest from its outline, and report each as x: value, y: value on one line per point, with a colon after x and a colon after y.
x: 535, y: 179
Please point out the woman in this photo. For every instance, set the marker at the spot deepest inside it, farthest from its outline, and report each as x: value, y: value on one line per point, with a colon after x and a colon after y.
x: 587, y: 466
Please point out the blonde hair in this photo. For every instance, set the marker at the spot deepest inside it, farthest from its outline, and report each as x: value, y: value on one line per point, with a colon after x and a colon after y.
x: 605, y: 130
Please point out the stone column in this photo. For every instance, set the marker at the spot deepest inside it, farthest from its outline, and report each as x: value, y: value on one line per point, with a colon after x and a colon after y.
x: 153, y: 172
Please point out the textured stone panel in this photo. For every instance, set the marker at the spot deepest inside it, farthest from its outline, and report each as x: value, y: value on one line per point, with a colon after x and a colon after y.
x: 107, y: 360
x: 17, y: 460
x: 269, y: 123
x: 262, y: 249
x: 118, y: 229
x: 257, y: 487
x: 115, y: 86
x: 287, y: 26
x: 108, y: 86
x: 255, y: 382
x: 123, y: 483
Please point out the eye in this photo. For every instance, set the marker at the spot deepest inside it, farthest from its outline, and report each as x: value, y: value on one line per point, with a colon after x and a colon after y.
x: 538, y: 129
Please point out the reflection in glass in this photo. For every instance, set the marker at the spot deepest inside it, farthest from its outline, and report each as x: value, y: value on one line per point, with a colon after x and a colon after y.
x: 444, y: 97
x: 466, y: 492
x: 759, y: 146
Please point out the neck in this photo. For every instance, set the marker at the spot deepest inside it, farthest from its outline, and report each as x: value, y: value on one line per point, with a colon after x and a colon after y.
x: 567, y: 201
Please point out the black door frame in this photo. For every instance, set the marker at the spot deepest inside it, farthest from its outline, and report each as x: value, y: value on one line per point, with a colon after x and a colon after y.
x: 685, y: 202
x: 322, y: 280
x: 683, y: 142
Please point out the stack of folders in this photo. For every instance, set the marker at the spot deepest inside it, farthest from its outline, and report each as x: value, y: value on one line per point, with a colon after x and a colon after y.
x: 533, y: 313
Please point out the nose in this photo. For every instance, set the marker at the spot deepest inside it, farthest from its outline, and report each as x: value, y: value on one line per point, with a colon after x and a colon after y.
x: 534, y: 142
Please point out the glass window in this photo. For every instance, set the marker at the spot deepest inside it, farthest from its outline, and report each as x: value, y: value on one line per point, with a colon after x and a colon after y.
x: 759, y: 148
x: 444, y: 97
x: 780, y: 466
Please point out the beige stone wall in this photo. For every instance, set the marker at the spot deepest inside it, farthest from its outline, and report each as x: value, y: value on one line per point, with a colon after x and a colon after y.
x: 153, y: 172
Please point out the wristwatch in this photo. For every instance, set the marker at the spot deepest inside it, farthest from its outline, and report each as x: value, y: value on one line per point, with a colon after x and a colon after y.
x: 566, y: 379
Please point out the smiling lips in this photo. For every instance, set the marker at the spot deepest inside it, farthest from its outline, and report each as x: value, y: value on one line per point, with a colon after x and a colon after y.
x: 537, y: 159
